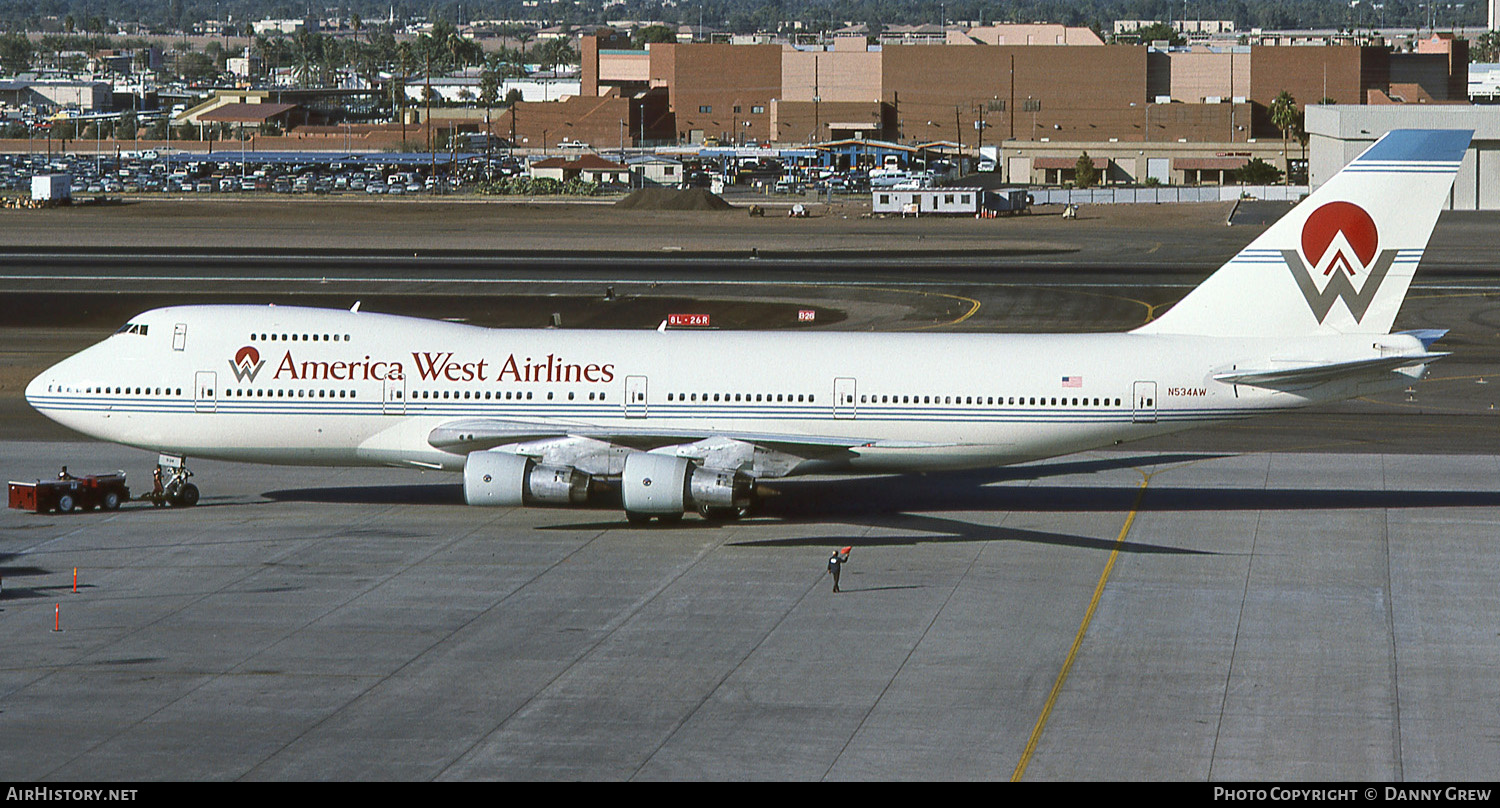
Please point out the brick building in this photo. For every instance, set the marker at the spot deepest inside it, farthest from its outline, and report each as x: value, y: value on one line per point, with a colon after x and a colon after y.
x: 970, y: 92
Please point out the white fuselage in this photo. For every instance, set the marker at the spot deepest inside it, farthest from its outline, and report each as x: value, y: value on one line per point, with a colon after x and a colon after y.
x: 331, y: 387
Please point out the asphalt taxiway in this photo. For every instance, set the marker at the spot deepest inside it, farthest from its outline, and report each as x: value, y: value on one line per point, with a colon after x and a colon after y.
x: 1120, y: 615
x: 1304, y: 597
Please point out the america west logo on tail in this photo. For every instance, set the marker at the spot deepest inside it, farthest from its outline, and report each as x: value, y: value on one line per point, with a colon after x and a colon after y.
x: 1340, y: 245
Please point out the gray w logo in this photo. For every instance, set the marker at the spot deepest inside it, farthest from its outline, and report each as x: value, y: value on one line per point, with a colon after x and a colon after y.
x: 245, y: 371
x: 1338, y: 285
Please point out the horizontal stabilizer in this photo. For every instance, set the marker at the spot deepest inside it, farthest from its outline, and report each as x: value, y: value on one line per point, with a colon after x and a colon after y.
x: 1426, y: 336
x: 1299, y: 373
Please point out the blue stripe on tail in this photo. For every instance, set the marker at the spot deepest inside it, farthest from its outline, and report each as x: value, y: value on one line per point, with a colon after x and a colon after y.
x: 1420, y: 145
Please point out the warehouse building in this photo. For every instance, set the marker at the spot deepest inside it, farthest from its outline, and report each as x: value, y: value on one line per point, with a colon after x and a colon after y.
x: 975, y: 91
x: 1339, y: 133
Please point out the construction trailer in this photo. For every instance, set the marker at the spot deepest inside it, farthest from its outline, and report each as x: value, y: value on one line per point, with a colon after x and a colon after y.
x: 949, y: 201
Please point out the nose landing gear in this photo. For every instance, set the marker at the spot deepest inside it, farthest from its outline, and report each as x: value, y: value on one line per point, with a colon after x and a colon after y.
x: 170, y: 485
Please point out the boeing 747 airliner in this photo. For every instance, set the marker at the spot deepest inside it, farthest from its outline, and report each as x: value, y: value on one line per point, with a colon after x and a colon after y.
x: 683, y: 421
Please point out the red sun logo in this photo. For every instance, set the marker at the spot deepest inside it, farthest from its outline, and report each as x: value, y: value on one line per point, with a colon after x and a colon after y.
x: 247, y: 356
x: 1325, y: 223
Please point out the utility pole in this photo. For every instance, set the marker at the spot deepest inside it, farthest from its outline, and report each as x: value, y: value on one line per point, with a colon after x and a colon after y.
x: 427, y: 96
x: 959, y: 127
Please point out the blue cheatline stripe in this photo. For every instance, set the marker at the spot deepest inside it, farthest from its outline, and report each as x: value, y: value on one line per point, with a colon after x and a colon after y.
x: 966, y: 414
x: 1419, y: 145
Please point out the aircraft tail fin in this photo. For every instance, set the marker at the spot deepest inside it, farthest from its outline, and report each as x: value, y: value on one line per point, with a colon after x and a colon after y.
x: 1342, y: 259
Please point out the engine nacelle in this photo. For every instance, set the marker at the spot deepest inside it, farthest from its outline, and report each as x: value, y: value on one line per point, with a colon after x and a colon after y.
x: 667, y: 484
x: 501, y: 479
x: 655, y: 483
x: 718, y: 488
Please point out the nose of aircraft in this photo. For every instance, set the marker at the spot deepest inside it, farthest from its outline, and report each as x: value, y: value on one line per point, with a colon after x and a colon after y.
x: 38, y: 394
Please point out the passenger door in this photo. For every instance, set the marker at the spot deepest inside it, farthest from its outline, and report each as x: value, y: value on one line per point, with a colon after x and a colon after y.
x: 1143, y: 403
x: 393, y: 398
x: 205, y: 392
x: 635, y: 396
x: 843, y: 398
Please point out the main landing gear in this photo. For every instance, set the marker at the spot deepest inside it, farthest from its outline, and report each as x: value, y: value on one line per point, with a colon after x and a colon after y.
x: 170, y: 485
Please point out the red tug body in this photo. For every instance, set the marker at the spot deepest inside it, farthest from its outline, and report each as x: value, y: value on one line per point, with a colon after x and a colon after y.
x: 69, y: 493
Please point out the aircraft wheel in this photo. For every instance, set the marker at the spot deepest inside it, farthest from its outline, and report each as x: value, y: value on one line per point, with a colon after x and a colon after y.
x: 66, y: 503
x: 111, y: 501
x: 187, y: 497
x: 716, y: 514
x: 637, y: 518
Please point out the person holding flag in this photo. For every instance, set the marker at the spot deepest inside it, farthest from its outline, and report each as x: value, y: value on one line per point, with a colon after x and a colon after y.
x: 836, y: 563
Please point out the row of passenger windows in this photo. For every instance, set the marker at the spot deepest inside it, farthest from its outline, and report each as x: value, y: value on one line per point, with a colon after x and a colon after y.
x: 746, y: 397
x: 294, y: 337
x: 472, y: 395
x: 257, y: 393
x: 1023, y: 401
x: 489, y: 395
x: 511, y: 395
x: 118, y: 391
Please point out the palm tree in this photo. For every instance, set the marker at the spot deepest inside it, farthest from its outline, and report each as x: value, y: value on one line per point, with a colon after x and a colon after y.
x: 1285, y: 116
x: 406, y: 60
x: 489, y: 93
x: 522, y: 37
x: 398, y: 104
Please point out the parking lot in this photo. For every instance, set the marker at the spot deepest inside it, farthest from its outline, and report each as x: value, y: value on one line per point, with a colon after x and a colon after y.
x: 151, y: 172
x: 233, y: 170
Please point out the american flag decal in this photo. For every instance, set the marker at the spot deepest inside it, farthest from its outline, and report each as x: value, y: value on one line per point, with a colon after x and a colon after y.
x: 1072, y: 381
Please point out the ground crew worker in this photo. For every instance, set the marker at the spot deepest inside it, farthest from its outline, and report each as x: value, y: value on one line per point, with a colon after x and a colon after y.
x: 836, y: 563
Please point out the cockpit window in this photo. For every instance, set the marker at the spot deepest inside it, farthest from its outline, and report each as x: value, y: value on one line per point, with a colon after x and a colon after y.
x: 133, y: 328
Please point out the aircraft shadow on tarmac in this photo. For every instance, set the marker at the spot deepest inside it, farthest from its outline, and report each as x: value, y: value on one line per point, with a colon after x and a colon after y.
x: 904, y: 502
x: 10, y: 576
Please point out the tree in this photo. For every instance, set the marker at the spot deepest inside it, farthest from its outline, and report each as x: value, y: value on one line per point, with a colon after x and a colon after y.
x: 15, y: 53
x: 654, y: 33
x: 1258, y: 172
x: 556, y: 52
x: 489, y: 93
x: 1285, y: 115
x: 127, y: 127
x: 1084, y: 173
x: 196, y: 67
x: 1486, y: 48
x: 1154, y: 32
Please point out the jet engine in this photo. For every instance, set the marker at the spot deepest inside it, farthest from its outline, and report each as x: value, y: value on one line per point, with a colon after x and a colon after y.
x: 665, y: 486
x: 501, y: 478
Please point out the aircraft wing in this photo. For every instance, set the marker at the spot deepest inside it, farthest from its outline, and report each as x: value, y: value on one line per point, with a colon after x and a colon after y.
x: 477, y: 434
x: 1294, y: 372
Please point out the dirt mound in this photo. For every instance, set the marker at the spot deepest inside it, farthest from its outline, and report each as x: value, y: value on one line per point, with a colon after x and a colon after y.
x: 669, y: 199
